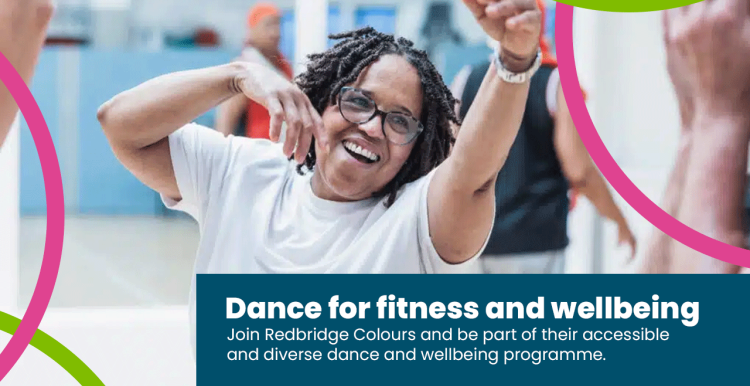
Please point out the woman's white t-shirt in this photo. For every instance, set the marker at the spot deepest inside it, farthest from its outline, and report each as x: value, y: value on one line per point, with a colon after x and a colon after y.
x: 258, y: 215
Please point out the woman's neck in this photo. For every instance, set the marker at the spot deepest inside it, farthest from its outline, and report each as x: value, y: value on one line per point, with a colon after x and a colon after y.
x: 321, y: 190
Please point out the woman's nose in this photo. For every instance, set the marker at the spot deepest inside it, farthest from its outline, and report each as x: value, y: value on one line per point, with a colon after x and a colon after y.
x: 373, y: 127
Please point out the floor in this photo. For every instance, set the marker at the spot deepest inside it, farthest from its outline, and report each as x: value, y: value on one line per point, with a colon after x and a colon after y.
x: 113, y: 261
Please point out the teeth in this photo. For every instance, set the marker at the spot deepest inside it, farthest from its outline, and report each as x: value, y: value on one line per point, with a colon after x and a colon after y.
x: 359, y: 150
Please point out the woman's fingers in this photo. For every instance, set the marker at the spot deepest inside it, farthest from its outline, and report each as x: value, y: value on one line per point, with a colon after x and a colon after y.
x: 308, y: 125
x: 276, y: 111
x: 293, y: 123
x: 476, y: 8
x: 302, y: 122
x: 303, y: 146
x: 302, y: 106
x: 319, y: 131
x: 527, y: 21
x: 502, y: 9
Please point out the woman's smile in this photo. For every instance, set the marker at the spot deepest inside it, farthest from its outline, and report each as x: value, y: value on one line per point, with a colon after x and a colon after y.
x: 360, y: 153
x: 362, y: 150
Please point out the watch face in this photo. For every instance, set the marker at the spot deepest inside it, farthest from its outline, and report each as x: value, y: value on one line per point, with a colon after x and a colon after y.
x: 512, y: 77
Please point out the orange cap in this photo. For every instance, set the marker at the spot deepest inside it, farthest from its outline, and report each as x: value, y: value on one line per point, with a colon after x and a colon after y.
x: 260, y: 11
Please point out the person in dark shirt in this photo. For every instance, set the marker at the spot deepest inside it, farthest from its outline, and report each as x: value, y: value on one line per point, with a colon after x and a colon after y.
x: 546, y: 160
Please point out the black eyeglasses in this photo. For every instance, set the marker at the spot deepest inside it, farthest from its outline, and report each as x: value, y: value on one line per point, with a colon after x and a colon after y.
x: 356, y: 107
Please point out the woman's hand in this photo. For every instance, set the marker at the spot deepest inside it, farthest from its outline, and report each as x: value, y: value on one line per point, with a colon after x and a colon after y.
x: 515, y: 24
x: 285, y: 103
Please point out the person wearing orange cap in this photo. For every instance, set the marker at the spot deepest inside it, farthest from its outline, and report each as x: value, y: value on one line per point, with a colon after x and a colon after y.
x: 262, y: 46
x: 23, y: 28
x: 546, y: 162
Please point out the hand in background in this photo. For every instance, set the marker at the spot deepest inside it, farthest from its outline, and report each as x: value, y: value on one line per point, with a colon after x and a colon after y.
x: 23, y: 25
x: 708, y: 53
x: 625, y: 236
x: 22, y: 32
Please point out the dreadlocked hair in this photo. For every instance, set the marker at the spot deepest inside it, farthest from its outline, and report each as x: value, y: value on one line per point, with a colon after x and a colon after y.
x: 342, y: 64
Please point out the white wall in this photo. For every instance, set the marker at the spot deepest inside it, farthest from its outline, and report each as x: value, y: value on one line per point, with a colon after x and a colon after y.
x: 621, y: 63
x: 9, y: 208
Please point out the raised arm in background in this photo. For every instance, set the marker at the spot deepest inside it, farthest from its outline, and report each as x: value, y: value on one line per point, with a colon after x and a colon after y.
x: 660, y: 248
x: 708, y: 46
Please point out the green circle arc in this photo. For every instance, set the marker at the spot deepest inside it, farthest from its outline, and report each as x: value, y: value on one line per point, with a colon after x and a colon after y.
x: 55, y: 351
x: 628, y: 5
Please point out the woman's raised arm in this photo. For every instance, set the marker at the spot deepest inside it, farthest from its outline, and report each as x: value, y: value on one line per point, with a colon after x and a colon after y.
x: 461, y: 196
x: 138, y: 122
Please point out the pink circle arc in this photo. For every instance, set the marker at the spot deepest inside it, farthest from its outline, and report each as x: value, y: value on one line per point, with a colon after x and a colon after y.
x: 571, y: 88
x: 620, y: 182
x: 55, y: 217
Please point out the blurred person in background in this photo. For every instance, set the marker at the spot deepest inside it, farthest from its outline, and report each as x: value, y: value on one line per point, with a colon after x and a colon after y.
x: 241, y: 115
x: 530, y: 233
x: 23, y: 29
x: 365, y: 181
x: 708, y: 60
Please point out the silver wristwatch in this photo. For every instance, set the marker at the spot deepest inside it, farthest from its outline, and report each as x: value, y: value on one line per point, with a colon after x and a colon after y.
x: 516, y: 77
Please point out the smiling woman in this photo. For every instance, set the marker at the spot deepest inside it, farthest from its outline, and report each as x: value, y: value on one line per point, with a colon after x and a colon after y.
x: 373, y: 188
x: 377, y: 115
